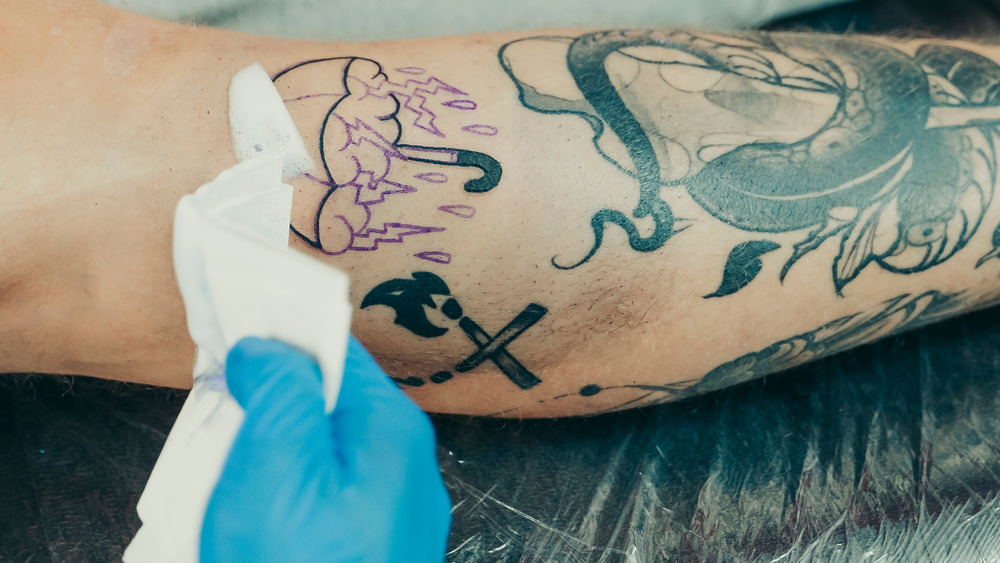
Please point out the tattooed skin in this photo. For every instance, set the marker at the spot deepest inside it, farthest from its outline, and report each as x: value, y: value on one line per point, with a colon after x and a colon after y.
x: 899, y: 314
x: 891, y: 155
x: 363, y: 116
x: 896, y: 315
x: 885, y: 156
x: 411, y: 299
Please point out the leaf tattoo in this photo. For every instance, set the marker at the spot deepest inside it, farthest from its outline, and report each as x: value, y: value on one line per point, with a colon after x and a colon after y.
x: 742, y: 266
x: 994, y: 252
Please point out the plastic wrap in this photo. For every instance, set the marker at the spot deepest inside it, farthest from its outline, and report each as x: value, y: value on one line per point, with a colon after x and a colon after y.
x: 886, y: 453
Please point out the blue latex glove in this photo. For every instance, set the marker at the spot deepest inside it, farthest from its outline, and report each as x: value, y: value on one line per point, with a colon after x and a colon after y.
x: 361, y: 484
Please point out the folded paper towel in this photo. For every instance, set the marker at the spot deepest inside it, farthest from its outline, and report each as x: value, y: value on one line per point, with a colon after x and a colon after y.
x: 238, y: 279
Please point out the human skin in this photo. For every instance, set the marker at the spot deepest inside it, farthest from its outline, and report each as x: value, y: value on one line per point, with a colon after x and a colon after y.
x: 760, y: 200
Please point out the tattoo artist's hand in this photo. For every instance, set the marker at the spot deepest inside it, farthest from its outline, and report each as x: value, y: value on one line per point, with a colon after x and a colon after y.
x: 360, y: 484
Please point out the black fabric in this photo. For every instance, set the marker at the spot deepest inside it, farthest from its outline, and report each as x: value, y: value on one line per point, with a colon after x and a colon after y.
x: 74, y: 457
x: 937, y: 18
x: 843, y: 447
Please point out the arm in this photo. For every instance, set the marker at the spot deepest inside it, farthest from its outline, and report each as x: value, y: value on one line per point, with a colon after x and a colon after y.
x: 534, y: 225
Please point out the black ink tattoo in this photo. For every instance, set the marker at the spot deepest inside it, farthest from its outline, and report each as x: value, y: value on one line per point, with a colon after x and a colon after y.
x: 896, y: 315
x: 489, y: 166
x: 408, y: 381
x: 363, y: 115
x: 493, y: 348
x: 743, y: 265
x: 994, y: 252
x: 410, y: 298
x: 889, y: 154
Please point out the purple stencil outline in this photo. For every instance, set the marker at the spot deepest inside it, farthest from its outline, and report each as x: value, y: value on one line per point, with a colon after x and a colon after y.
x: 432, y: 177
x: 463, y: 211
x: 370, y: 183
x: 481, y: 129
x: 319, y: 180
x: 440, y: 154
x: 370, y: 188
x: 435, y: 256
x: 463, y: 105
x: 411, y: 90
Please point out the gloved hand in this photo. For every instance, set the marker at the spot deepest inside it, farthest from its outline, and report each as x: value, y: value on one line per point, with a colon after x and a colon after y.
x: 360, y: 484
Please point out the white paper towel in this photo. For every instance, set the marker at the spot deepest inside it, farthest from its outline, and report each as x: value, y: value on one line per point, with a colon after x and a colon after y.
x: 238, y: 279
x: 260, y: 123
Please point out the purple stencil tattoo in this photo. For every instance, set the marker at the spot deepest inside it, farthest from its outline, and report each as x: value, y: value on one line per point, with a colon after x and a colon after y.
x: 463, y: 211
x: 307, y: 96
x: 432, y: 177
x: 365, y: 164
x: 480, y: 129
x: 412, y: 95
x: 461, y: 104
x: 434, y: 256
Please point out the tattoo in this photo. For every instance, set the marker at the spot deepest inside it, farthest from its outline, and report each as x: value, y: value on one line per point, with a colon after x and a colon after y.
x: 890, y: 155
x: 894, y: 316
x: 743, y: 265
x: 493, y: 348
x: 363, y: 117
x: 410, y: 299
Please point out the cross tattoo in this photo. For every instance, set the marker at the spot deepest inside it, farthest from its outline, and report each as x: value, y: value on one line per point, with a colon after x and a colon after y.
x: 494, y: 348
x: 411, y: 298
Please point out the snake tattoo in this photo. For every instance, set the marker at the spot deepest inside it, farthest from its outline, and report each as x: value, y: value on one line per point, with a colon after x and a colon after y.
x: 891, y: 155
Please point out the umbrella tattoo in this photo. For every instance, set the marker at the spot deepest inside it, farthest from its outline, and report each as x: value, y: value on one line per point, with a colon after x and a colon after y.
x: 364, y: 115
